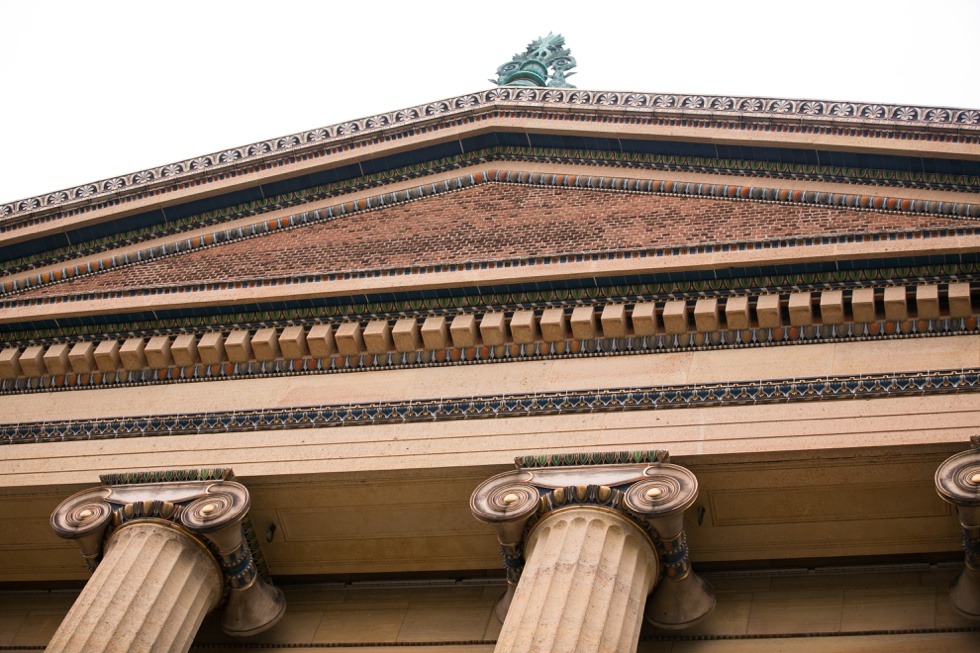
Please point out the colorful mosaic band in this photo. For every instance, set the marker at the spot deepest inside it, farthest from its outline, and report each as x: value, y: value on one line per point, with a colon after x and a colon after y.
x: 863, y: 386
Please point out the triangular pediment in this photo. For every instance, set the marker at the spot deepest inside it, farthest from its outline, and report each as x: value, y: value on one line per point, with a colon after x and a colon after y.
x: 491, y: 217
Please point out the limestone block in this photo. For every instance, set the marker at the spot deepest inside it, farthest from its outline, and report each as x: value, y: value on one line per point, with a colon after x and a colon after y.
x: 32, y: 361
x: 583, y: 323
x: 493, y: 329
x: 56, y: 358
x: 321, y: 341
x: 768, y: 312
x: 644, y: 319
x: 896, y: 308
x: 10, y: 363
x: 707, y: 314
x: 524, y: 327
x: 184, y: 350
x: 132, y: 353
x: 676, y: 318
x: 959, y: 300
x: 737, y: 313
x: 82, y: 358
x: 863, y: 305
x: 435, y: 332
x: 157, y: 352
x: 265, y: 344
x: 463, y: 331
x: 292, y: 342
x: 800, y: 309
x: 377, y: 337
x: 107, y: 356
x: 349, y: 339
x: 211, y: 348
x: 238, y: 346
x: 613, y: 320
x: 927, y: 302
x: 406, y: 335
x: 832, y: 307
x: 554, y: 325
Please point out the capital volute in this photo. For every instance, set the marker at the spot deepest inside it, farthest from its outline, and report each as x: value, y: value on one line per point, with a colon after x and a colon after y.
x: 206, y: 505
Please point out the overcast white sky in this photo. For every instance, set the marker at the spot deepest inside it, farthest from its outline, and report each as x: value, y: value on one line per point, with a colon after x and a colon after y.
x: 95, y: 89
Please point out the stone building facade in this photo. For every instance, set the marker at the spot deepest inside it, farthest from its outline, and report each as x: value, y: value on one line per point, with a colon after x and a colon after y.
x: 729, y: 341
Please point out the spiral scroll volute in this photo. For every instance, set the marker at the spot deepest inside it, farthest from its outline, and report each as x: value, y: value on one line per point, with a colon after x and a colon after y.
x: 958, y: 482
x: 662, y: 498
x: 507, y: 503
x: 84, y: 517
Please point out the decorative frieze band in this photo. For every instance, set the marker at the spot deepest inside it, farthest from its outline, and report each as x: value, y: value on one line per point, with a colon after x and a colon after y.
x: 769, y: 391
x: 557, y: 327
x: 873, y: 120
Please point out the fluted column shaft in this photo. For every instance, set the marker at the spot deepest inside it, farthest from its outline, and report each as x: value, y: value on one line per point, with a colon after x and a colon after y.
x: 149, y: 594
x: 588, y: 572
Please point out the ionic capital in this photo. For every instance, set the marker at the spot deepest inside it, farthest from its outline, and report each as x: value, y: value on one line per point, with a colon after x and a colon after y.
x: 206, y: 506
x: 958, y: 483
x: 642, y: 487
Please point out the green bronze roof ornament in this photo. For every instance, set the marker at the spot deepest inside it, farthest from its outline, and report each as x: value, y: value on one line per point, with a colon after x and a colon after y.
x: 531, y: 68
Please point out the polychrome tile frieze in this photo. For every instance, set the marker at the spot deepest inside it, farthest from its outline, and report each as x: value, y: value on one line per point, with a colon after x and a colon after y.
x: 864, y: 386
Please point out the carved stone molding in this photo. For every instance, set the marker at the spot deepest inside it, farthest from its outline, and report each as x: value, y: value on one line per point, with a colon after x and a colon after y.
x: 209, y: 511
x: 958, y: 483
x: 648, y: 493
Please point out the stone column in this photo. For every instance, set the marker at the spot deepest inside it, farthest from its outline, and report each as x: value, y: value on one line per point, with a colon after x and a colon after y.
x: 958, y: 482
x: 164, y: 554
x: 585, y: 544
x: 150, y: 593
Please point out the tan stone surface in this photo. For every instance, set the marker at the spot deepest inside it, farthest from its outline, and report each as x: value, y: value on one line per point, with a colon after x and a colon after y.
x: 157, y: 352
x: 32, y: 361
x: 927, y: 302
x: 896, y: 307
x: 435, y: 332
x: 523, y: 327
x: 211, y: 348
x: 132, y: 353
x: 707, y: 314
x: 377, y: 337
x: 863, y: 305
x: 321, y: 340
x: 737, y: 313
x: 554, y: 325
x: 292, y: 342
x: 149, y: 593
x: 406, y: 334
x: 675, y: 316
x: 265, y: 344
x: 82, y: 357
x: 107, y: 356
x: 238, y: 346
x: 583, y: 322
x: 10, y: 363
x: 613, y: 320
x: 56, y: 358
x: 493, y: 330
x: 349, y: 339
x: 960, y: 304
x: 184, y: 350
x: 832, y: 307
x: 644, y: 318
x: 464, y: 331
x: 768, y: 312
x: 800, y: 309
